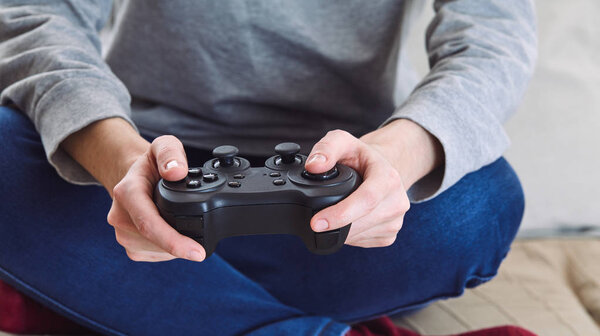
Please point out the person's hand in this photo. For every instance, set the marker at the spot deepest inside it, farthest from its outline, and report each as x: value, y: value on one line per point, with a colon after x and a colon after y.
x: 139, y: 228
x: 377, y: 207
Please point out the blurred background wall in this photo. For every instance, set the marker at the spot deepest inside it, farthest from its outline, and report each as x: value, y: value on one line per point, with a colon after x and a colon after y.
x: 556, y: 132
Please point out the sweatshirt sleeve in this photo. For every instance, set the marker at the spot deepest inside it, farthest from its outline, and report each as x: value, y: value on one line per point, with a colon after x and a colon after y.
x: 481, y: 57
x: 51, y: 69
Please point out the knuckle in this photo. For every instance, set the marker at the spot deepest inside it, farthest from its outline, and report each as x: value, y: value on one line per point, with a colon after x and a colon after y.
x: 164, y: 150
x: 344, y: 216
x: 394, y: 178
x: 405, y: 205
x: 338, y: 133
x: 111, y: 218
x: 165, y: 146
x: 171, y: 247
x: 370, y: 199
x: 121, y: 239
x: 164, y: 140
x: 387, y: 241
x: 393, y: 227
x: 142, y: 226
x: 119, y: 190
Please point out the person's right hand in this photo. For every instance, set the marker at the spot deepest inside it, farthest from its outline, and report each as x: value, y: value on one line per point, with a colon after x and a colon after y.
x: 139, y: 228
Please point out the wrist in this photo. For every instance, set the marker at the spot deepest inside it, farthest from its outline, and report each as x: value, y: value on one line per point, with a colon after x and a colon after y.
x: 411, y: 149
x: 106, y: 149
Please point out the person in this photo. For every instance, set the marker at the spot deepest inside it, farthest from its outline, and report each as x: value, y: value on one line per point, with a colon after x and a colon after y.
x: 332, y: 77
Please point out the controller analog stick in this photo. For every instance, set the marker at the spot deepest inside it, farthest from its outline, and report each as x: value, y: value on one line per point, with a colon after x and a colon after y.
x: 226, y: 155
x: 328, y: 175
x: 287, y: 152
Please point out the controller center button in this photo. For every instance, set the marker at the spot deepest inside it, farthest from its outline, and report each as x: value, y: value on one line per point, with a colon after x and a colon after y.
x: 234, y: 184
x: 328, y: 175
x: 194, y: 172
x: 239, y: 176
x: 279, y: 182
x: 210, y: 177
x: 193, y: 184
x: 274, y: 174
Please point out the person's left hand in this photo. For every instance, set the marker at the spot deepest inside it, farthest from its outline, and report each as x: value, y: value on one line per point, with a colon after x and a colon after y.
x: 376, y: 209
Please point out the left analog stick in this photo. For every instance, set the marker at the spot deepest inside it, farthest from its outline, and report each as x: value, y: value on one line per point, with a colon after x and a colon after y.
x: 226, y: 155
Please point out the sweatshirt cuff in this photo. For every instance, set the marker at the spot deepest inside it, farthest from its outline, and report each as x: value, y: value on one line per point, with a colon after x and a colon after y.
x: 466, y: 144
x: 70, y: 106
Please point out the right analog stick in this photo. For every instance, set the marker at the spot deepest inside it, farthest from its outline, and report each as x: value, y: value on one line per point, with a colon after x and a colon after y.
x: 328, y: 175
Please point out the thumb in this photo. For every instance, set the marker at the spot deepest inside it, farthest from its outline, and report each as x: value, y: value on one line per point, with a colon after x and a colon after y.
x: 170, y: 157
x: 335, y: 146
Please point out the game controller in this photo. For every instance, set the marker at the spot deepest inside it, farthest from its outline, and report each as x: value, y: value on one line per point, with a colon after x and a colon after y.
x: 226, y: 197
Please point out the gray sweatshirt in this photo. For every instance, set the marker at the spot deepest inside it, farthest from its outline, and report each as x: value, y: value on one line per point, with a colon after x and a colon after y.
x: 258, y: 72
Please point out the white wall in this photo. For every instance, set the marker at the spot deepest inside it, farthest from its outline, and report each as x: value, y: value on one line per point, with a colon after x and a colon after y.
x: 556, y: 132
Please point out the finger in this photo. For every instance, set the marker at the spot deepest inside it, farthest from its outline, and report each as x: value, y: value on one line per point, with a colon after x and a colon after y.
x: 375, y: 242
x: 148, y: 222
x: 333, y: 147
x: 389, y: 210
x: 119, y: 218
x: 135, y: 242
x: 148, y: 256
x: 379, y: 180
x: 385, y: 229
x: 170, y: 157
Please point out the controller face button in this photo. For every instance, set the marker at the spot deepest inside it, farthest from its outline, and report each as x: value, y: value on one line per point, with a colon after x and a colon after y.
x: 210, y: 177
x: 234, y: 184
x: 274, y: 174
x: 193, y: 184
x: 194, y: 172
x: 239, y: 176
x: 279, y: 182
x: 328, y: 175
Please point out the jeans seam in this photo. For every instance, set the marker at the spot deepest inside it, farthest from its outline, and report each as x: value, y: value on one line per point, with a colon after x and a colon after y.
x: 417, y: 304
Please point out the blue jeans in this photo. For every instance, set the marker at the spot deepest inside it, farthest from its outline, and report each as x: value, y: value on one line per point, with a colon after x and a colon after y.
x: 56, y: 246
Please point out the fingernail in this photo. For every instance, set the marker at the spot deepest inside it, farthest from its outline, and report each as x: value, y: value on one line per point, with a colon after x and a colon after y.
x: 195, y: 255
x: 171, y: 164
x: 321, y: 225
x: 319, y: 158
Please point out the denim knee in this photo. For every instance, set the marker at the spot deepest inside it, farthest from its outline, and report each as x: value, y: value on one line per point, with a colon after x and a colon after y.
x: 477, y: 220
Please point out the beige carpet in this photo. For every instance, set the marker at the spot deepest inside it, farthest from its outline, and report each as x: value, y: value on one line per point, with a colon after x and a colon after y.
x: 551, y: 287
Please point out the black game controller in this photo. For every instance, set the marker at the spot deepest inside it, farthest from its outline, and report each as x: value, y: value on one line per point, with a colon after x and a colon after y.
x: 226, y: 197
